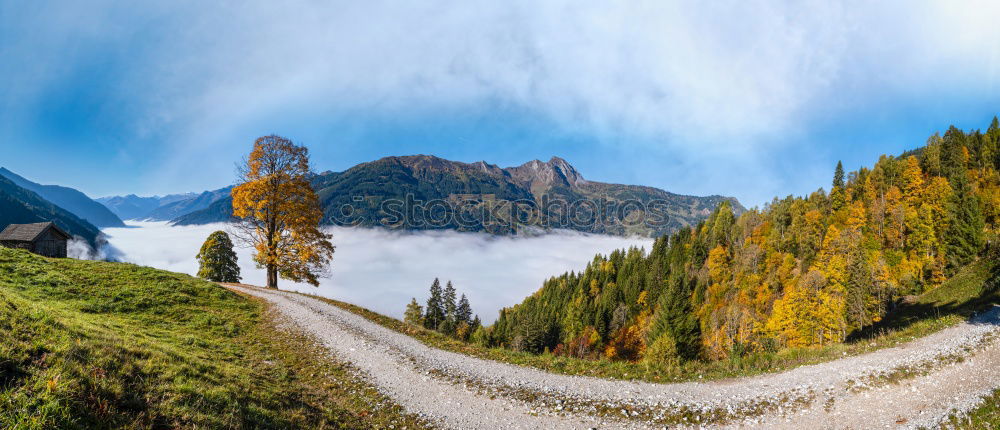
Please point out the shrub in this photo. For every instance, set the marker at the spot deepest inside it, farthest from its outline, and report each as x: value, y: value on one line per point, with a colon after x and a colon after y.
x: 662, y: 352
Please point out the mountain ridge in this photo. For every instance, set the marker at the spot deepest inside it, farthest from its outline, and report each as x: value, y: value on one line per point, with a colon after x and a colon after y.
x: 19, y: 205
x: 133, y: 207
x: 70, y: 199
x: 538, y: 187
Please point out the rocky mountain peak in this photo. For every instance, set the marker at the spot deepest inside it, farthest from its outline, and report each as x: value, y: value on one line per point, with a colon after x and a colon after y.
x: 556, y: 171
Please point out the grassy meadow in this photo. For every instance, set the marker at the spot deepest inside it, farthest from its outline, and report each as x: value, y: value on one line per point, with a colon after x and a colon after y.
x: 109, y: 345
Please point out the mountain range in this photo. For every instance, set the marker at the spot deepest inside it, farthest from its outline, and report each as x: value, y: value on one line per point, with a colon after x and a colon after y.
x: 165, y: 208
x: 19, y: 205
x: 417, y: 192
x: 133, y: 207
x: 422, y: 192
x: 69, y: 199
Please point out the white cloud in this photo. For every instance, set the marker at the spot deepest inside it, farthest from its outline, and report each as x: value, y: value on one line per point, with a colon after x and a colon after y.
x: 716, y: 86
x: 381, y: 270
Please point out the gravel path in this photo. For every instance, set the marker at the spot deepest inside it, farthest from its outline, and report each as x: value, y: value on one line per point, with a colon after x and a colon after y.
x: 955, y: 368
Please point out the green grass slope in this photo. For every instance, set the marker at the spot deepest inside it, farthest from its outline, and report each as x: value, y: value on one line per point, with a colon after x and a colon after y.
x: 110, y: 345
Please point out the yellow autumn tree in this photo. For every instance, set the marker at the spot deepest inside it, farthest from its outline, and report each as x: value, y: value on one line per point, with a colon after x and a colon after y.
x: 913, y: 180
x: 279, y: 214
x: 795, y: 320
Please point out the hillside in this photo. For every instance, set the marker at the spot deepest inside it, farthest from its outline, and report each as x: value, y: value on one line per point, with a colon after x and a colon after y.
x: 70, y: 199
x: 802, y: 272
x: 483, y: 197
x: 134, y: 207
x: 165, y: 208
x: 182, y: 207
x: 91, y: 345
x: 21, y: 206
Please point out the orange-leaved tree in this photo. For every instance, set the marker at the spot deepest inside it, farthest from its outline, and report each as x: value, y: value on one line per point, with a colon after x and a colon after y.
x: 278, y: 212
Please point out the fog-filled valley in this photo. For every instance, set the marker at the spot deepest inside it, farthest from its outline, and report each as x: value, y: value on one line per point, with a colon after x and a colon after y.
x: 381, y: 270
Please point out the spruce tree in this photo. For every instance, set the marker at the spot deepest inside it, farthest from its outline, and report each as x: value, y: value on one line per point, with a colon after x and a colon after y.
x: 435, y: 311
x: 964, y: 239
x: 993, y: 142
x: 464, y: 311
x: 837, y: 197
x: 414, y: 313
x: 838, y: 176
x: 448, y: 302
x: 952, y: 156
x: 217, y: 259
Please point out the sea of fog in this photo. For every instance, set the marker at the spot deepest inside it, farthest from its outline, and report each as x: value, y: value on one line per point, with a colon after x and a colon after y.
x: 381, y: 270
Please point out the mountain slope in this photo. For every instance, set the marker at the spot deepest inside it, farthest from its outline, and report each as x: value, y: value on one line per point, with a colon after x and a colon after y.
x: 138, y: 208
x: 21, y: 206
x: 801, y: 272
x: 96, y: 345
x: 423, y: 192
x: 181, y: 207
x: 70, y: 199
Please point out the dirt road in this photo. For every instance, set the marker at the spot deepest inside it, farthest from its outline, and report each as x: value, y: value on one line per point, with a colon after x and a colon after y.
x: 945, y: 372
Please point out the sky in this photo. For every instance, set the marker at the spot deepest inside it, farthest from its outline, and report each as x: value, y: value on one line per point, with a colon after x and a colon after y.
x: 750, y: 99
x: 380, y: 270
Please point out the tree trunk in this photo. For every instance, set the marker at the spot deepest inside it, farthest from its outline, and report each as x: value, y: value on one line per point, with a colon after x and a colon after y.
x: 272, y: 276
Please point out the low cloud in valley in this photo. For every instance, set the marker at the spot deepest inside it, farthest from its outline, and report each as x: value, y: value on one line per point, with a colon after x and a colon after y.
x: 381, y: 270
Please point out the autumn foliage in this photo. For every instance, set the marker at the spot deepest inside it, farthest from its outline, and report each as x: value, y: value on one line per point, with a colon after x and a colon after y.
x: 802, y: 271
x: 279, y: 213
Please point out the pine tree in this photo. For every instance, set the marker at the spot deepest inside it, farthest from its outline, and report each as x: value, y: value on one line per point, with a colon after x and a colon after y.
x: 964, y: 239
x: 448, y: 301
x: 930, y: 159
x: 414, y: 313
x: 435, y: 310
x: 993, y: 143
x: 464, y: 311
x: 953, y: 151
x: 218, y: 260
x: 838, y: 176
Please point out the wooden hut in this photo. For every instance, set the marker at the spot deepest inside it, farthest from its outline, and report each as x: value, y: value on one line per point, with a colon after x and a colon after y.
x: 42, y: 238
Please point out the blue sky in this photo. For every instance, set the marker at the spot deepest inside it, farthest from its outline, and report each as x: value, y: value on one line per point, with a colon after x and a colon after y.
x: 750, y: 99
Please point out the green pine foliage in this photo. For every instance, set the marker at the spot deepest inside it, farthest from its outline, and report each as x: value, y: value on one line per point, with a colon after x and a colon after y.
x: 435, y: 316
x: 444, y: 314
x: 217, y: 260
x: 965, y: 226
x: 450, y: 309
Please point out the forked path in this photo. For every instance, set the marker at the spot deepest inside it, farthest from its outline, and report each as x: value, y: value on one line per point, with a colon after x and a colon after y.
x: 954, y: 369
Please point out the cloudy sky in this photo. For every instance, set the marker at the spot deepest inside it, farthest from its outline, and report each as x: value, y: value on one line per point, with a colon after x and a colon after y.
x: 744, y: 98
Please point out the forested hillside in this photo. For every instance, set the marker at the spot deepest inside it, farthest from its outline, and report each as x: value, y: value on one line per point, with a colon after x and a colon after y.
x: 802, y: 271
x: 21, y: 206
x: 70, y: 199
x: 423, y: 192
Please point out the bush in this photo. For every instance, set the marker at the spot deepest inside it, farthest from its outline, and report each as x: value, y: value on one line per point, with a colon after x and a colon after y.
x: 662, y: 352
x: 480, y: 337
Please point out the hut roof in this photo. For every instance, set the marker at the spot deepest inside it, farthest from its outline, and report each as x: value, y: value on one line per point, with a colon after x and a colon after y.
x: 29, y: 232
